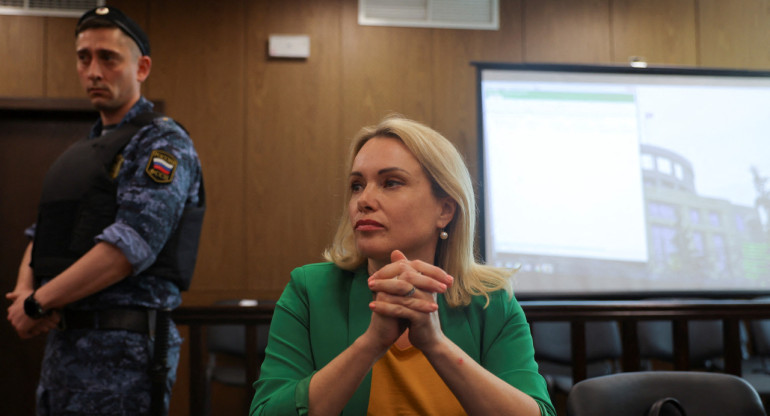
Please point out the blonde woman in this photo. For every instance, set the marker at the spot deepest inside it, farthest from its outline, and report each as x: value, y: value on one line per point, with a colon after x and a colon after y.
x: 401, y: 320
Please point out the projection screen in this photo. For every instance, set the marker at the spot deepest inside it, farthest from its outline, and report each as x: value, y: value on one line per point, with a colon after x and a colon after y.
x: 625, y: 181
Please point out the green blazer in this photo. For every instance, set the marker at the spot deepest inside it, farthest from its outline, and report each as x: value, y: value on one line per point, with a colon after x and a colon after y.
x: 324, y: 309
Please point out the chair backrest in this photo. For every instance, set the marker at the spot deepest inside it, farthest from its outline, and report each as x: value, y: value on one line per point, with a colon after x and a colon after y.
x: 705, y: 339
x: 552, y: 341
x: 700, y: 393
x: 231, y: 339
x: 760, y: 334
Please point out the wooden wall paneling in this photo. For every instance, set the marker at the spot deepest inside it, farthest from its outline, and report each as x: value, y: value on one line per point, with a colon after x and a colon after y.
x: 567, y: 31
x: 454, y: 78
x: 384, y: 70
x: 734, y: 34
x: 199, y: 75
x: 294, y: 145
x: 661, y: 31
x: 21, y: 56
x: 139, y: 11
x: 61, y: 76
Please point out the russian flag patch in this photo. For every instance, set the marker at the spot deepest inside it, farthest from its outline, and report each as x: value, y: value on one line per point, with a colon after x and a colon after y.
x: 161, y: 166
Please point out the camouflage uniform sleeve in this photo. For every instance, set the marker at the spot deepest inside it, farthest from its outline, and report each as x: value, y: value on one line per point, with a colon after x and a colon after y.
x: 159, y: 174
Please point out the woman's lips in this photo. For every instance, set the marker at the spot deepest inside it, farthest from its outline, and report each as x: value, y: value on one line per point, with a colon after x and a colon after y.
x: 368, y: 225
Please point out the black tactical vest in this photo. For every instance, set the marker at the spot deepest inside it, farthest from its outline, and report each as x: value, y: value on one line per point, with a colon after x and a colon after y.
x: 79, y: 200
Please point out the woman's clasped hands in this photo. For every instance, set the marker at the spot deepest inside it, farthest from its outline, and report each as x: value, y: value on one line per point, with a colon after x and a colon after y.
x: 405, y: 293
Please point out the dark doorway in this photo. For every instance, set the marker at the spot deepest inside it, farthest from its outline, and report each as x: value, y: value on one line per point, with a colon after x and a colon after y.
x: 30, y: 141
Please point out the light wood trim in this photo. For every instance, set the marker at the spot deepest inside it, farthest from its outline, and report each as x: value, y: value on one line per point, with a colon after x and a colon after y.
x: 734, y: 34
x: 61, y: 77
x: 295, y: 148
x: 559, y: 31
x: 21, y: 56
x: 661, y: 31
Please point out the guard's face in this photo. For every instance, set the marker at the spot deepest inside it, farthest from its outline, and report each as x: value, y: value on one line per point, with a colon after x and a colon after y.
x: 110, y: 68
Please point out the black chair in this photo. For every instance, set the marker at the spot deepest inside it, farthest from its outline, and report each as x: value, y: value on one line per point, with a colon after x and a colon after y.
x: 699, y: 393
x: 756, y: 368
x: 226, y: 347
x: 705, y: 339
x: 760, y: 343
x: 553, y: 351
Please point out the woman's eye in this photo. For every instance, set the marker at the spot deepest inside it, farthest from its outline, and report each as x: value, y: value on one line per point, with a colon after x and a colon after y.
x: 355, y: 186
x: 390, y: 183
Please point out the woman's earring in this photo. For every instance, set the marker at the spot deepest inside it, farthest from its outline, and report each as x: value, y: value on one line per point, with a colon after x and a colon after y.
x: 443, y: 235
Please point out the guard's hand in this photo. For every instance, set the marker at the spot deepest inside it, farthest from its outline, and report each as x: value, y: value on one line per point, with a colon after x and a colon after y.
x: 25, y: 326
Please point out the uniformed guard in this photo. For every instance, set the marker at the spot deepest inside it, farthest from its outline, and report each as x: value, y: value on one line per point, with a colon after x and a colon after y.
x: 115, y: 241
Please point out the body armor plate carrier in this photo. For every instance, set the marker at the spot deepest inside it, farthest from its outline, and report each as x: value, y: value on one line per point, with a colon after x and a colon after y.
x: 79, y: 200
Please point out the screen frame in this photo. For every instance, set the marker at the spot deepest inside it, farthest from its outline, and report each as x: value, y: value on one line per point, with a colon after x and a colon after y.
x: 595, y: 69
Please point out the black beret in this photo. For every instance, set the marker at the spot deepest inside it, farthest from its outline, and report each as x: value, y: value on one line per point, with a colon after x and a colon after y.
x: 117, y: 18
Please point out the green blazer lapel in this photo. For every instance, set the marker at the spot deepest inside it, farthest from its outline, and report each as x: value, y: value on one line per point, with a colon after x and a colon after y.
x: 359, y: 317
x: 359, y: 314
x: 457, y: 326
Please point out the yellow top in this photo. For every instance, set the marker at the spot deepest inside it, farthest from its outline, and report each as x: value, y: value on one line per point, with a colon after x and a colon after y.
x: 404, y: 383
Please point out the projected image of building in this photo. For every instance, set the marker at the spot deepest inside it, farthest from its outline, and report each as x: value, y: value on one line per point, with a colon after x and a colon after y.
x: 699, y: 238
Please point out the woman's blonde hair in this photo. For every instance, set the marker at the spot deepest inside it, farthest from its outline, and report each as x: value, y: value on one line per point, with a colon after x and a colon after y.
x: 449, y: 176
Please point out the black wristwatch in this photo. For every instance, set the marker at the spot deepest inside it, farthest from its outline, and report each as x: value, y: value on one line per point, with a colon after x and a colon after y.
x: 32, y: 308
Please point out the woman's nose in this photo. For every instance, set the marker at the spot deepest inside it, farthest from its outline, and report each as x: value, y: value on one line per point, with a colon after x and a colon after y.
x: 366, y: 199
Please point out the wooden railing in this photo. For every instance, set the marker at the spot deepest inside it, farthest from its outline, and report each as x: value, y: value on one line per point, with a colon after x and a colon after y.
x: 629, y: 313
x: 626, y: 313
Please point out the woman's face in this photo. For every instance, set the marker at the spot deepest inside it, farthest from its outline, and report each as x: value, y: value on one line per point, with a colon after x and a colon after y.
x: 391, y: 205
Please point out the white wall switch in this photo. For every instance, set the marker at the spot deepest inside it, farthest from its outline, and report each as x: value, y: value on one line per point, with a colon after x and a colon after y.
x: 289, y: 46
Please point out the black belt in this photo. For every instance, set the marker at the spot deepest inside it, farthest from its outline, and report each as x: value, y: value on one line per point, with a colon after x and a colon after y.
x: 135, y: 320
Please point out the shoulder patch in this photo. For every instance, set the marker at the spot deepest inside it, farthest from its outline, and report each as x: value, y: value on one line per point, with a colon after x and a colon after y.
x: 116, y: 165
x: 161, y: 166
x: 160, y: 121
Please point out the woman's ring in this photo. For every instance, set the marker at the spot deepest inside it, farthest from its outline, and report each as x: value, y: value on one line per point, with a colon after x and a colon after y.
x: 411, y: 292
